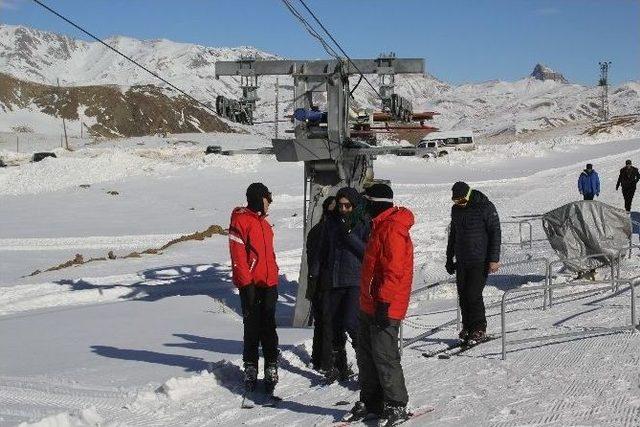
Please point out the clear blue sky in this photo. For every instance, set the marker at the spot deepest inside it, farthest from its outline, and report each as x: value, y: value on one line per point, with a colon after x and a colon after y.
x: 462, y: 40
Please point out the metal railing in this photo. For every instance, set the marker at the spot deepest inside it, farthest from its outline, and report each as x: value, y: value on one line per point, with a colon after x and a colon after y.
x: 458, y: 319
x: 503, y: 322
x: 521, y: 224
x: 615, y: 271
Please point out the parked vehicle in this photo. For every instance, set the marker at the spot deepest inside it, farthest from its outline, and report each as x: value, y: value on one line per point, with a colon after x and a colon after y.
x: 43, y: 155
x: 438, y: 144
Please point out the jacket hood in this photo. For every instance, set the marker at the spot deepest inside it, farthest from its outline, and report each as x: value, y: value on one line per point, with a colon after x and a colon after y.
x: 351, y: 194
x: 397, y: 214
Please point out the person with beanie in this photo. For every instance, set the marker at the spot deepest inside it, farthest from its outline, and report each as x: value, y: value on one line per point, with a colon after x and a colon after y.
x: 628, y: 179
x: 589, y: 183
x: 317, y: 287
x: 385, y: 287
x: 339, y: 263
x: 473, y: 251
x: 255, y: 274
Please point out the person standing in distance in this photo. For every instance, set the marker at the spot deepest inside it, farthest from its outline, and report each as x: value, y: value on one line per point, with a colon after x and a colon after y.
x: 255, y: 274
x: 628, y: 179
x: 589, y: 183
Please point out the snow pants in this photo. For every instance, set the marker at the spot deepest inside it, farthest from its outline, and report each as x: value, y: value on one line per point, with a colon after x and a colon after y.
x: 470, y: 282
x: 341, y: 307
x: 319, y: 345
x: 259, y: 319
x: 588, y: 196
x: 628, y: 194
x: 380, y: 372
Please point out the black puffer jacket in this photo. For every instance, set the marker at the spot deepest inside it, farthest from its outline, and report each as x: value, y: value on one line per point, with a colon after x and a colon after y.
x: 474, y: 236
x: 628, y: 178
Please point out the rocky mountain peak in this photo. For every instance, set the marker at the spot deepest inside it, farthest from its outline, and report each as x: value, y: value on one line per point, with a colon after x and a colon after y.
x: 542, y: 72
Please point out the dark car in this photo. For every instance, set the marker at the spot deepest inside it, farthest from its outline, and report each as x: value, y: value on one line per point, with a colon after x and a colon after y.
x: 39, y: 156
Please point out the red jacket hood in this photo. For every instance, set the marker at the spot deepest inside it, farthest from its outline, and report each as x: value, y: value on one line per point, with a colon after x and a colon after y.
x: 397, y: 214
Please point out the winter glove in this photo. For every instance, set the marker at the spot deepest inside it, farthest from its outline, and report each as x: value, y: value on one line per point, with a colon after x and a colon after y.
x: 450, y: 266
x: 312, y: 285
x: 382, y: 315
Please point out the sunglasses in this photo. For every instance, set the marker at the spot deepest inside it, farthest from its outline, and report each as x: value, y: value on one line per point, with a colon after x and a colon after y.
x: 461, y: 201
x: 346, y: 205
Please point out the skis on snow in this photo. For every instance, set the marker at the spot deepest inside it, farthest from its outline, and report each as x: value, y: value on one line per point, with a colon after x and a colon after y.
x: 456, y: 349
x: 371, y: 417
x: 465, y: 346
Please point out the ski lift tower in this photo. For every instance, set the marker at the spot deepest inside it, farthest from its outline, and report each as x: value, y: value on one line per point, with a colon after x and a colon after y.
x: 322, y: 139
x: 604, y: 84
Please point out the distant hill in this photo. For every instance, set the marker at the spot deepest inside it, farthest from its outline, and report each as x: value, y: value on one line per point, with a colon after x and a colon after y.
x: 542, y: 100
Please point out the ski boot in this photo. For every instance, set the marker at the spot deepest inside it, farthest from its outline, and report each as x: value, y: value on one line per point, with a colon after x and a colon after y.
x: 270, y: 376
x: 393, y: 415
x: 357, y: 413
x: 250, y: 376
x: 464, y: 335
x: 477, y: 336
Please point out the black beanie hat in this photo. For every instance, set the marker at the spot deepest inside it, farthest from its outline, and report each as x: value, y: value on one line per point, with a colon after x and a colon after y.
x: 255, y: 193
x: 589, y: 166
x: 379, y: 198
x: 459, y: 190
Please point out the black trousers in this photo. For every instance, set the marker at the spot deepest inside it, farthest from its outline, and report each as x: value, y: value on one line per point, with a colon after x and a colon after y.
x: 588, y: 196
x: 470, y: 281
x: 259, y: 319
x: 628, y: 193
x: 380, y: 372
x: 317, y: 352
x: 341, y: 307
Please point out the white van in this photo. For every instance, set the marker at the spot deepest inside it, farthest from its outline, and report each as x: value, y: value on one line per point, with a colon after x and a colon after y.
x: 438, y: 144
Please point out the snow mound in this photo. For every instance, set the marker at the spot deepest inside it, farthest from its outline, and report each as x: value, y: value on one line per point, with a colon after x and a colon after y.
x: 83, y: 418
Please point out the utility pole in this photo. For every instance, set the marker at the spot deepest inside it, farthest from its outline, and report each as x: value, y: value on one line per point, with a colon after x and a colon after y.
x: 64, y: 124
x: 604, y: 84
x: 275, y: 119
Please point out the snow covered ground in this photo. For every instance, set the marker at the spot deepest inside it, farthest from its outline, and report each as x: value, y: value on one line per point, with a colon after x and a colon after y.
x: 157, y: 340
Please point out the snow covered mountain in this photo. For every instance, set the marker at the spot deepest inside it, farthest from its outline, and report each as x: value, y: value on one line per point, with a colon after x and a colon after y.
x: 494, y: 107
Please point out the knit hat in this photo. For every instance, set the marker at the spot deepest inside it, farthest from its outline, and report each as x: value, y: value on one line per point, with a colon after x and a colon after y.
x: 255, y: 193
x: 589, y: 166
x: 460, y: 190
x: 379, y: 198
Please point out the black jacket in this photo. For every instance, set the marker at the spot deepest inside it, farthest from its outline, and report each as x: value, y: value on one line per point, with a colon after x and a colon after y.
x: 628, y: 178
x: 339, y: 258
x: 474, y: 236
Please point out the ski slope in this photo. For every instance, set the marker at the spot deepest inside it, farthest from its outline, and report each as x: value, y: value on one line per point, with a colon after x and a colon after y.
x: 157, y: 340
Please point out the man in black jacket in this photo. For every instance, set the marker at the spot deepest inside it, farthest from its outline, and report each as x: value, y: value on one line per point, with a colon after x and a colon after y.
x: 340, y: 261
x: 317, y: 286
x: 628, y: 178
x: 474, y: 242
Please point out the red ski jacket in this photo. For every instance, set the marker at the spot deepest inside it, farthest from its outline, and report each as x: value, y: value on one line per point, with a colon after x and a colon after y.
x: 387, y: 268
x: 251, y: 245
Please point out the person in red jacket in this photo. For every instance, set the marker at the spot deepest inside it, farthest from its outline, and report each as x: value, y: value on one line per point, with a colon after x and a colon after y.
x: 385, y: 286
x: 255, y: 273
